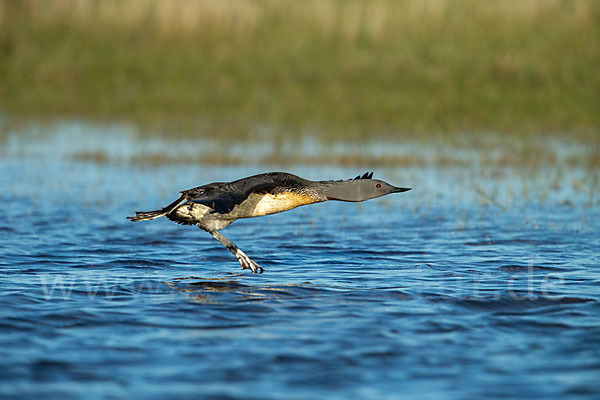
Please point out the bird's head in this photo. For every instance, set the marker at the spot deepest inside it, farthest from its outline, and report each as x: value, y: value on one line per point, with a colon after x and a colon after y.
x: 360, y: 189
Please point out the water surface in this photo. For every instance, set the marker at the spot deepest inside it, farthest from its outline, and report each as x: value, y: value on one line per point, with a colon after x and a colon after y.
x: 478, y: 283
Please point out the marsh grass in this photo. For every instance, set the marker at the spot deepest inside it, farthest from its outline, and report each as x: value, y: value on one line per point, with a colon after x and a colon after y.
x: 528, y: 154
x: 339, y: 70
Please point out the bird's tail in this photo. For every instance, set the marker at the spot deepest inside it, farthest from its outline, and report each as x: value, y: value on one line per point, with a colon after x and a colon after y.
x: 148, y: 215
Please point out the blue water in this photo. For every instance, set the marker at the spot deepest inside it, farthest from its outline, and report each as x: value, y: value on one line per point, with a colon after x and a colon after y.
x: 480, y: 282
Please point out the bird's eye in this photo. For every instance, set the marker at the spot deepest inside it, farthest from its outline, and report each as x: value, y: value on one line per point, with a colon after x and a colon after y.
x: 378, y: 185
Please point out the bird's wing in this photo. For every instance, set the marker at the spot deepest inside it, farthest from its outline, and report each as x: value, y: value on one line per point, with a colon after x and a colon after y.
x: 223, y: 197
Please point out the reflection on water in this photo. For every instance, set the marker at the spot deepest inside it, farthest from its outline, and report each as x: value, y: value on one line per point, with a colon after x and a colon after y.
x: 226, y: 290
x: 122, y: 144
x: 438, y: 293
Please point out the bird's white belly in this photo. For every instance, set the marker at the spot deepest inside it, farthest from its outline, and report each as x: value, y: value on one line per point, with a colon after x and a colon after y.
x: 191, y: 212
x: 255, y: 205
x: 195, y: 213
x: 274, y: 203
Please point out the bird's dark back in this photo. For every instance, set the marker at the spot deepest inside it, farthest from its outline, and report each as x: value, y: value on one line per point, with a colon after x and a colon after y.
x: 223, y: 196
x: 256, y: 183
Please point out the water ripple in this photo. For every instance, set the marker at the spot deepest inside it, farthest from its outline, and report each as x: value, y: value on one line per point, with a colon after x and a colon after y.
x: 431, y: 295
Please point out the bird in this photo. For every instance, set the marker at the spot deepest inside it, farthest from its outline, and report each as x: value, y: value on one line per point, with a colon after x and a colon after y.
x: 216, y: 205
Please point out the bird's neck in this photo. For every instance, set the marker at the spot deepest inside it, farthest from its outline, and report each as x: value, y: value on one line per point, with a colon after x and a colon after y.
x: 341, y: 191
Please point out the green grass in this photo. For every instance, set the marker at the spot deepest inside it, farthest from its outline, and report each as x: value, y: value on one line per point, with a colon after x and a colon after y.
x: 339, y: 70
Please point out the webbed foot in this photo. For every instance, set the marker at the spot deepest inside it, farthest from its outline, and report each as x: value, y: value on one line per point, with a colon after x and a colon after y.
x: 247, y: 263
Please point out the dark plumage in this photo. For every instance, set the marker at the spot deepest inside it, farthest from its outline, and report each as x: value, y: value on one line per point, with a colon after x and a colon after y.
x: 216, y: 205
x: 223, y: 197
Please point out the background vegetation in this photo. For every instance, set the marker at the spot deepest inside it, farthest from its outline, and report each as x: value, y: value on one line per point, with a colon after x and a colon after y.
x: 335, y: 69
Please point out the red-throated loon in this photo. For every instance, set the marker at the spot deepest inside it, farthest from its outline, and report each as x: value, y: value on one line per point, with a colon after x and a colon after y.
x: 214, y: 206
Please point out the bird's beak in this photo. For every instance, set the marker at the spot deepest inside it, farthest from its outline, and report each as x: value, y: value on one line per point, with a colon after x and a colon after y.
x: 400, y: 190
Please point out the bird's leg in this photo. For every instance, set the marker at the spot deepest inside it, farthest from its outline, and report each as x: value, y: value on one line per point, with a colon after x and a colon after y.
x: 245, y: 261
